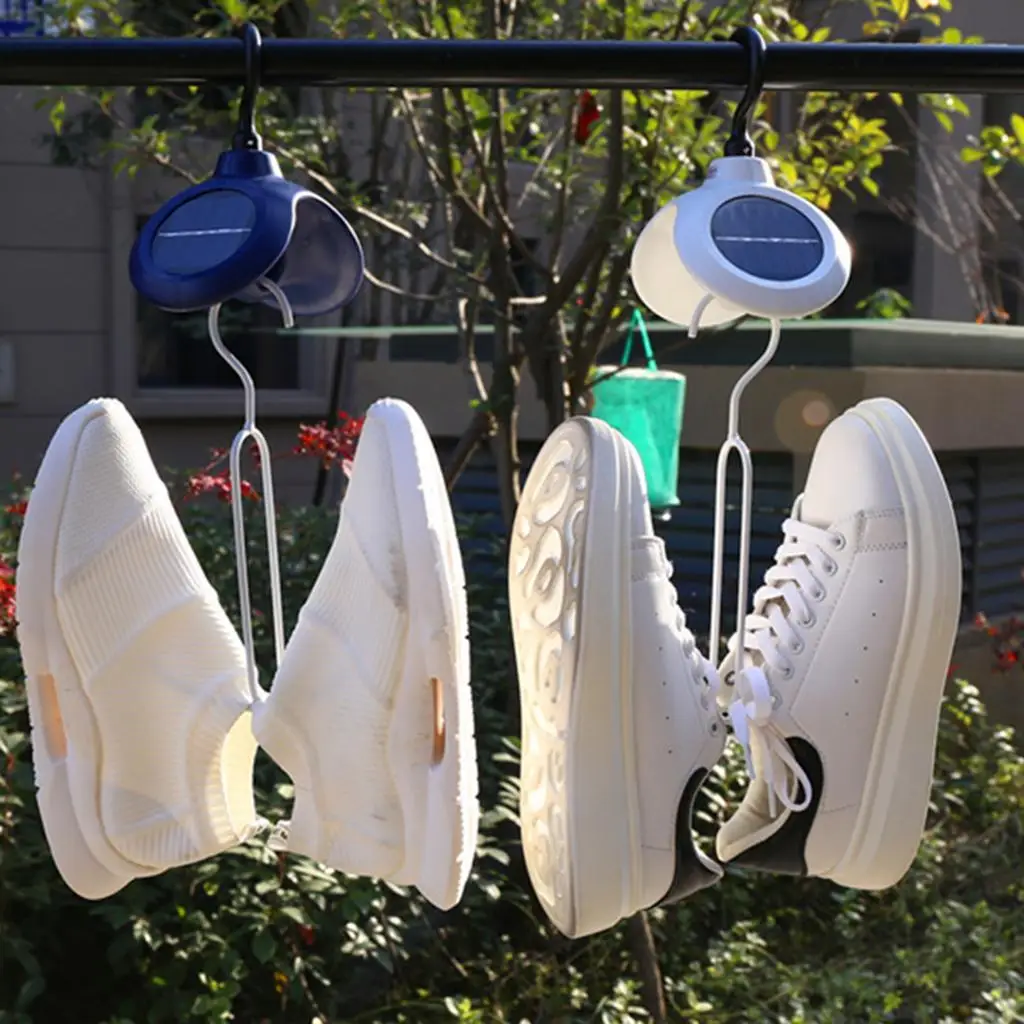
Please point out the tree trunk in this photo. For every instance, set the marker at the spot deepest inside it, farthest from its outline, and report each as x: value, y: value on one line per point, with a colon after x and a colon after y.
x: 641, y: 939
x: 504, y: 441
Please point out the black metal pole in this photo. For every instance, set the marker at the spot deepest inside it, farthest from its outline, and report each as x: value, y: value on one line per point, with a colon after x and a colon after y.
x: 861, y: 67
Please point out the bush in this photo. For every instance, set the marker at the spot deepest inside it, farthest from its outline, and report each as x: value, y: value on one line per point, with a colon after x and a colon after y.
x: 255, y: 937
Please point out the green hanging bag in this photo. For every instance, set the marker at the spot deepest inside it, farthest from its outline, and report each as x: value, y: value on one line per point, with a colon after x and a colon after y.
x: 646, y: 405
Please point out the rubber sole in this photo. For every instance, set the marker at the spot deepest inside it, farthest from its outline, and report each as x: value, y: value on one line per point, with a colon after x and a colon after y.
x: 64, y: 730
x: 891, y: 820
x: 569, y: 594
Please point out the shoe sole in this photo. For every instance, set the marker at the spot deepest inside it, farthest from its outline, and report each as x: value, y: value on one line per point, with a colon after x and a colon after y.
x: 894, y: 807
x: 572, y: 625
x: 439, y: 625
x: 64, y: 729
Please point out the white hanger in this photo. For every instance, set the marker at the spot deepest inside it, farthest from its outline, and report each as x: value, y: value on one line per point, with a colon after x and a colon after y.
x: 251, y: 432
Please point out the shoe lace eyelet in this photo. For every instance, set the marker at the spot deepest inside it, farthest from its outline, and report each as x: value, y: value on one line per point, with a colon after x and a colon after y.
x: 730, y: 679
x: 838, y: 541
x: 830, y: 568
x: 808, y: 623
x: 818, y: 593
x: 796, y: 646
x: 776, y: 700
x: 787, y: 672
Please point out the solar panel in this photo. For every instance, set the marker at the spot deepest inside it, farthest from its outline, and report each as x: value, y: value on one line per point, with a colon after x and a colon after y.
x: 203, y: 233
x: 767, y: 239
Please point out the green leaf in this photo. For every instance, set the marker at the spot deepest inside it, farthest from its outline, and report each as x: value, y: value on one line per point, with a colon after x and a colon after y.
x: 57, y: 112
x: 264, y: 946
x: 234, y: 9
x: 1017, y: 124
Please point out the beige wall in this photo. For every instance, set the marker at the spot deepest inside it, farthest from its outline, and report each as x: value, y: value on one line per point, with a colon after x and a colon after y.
x: 54, y: 315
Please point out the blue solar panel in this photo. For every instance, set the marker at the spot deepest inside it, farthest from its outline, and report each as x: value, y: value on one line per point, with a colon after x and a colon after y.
x: 203, y: 233
x: 767, y: 239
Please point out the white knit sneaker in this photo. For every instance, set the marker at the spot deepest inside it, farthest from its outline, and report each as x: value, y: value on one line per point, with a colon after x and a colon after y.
x: 136, y: 679
x: 846, y: 655
x: 619, y: 722
x: 371, y: 712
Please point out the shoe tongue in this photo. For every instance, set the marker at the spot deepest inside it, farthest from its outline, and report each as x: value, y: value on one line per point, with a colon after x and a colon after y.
x: 752, y: 822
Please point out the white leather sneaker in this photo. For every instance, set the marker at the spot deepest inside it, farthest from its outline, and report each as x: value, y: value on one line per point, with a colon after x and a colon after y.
x: 141, y: 736
x: 845, y: 659
x: 371, y: 712
x: 619, y: 720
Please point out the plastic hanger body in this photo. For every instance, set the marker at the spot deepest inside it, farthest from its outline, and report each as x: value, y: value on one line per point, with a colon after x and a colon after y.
x: 738, y: 245
x: 245, y: 225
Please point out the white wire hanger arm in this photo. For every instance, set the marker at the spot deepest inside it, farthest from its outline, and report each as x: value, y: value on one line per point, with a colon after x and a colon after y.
x: 733, y: 443
x: 251, y: 432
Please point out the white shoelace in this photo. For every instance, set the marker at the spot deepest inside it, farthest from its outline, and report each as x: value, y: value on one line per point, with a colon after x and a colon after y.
x: 705, y: 671
x: 781, y: 607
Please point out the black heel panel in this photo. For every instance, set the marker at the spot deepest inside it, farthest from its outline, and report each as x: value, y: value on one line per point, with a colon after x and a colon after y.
x: 691, y: 874
x: 784, y: 852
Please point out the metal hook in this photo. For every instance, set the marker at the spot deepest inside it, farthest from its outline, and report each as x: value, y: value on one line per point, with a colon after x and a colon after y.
x: 248, y: 432
x: 246, y: 137
x: 739, y: 142
x: 733, y: 443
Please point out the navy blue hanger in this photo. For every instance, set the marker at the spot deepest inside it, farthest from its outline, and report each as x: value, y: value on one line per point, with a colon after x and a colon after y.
x: 221, y: 239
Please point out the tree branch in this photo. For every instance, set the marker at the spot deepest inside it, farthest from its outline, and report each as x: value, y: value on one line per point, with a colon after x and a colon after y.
x: 383, y: 222
x: 605, y: 222
x: 481, y: 426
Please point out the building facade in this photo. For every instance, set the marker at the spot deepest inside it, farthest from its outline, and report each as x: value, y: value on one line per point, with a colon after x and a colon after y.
x: 71, y: 326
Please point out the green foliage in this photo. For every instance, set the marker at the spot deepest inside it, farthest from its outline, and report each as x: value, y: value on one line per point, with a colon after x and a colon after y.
x: 885, y: 304
x: 254, y: 937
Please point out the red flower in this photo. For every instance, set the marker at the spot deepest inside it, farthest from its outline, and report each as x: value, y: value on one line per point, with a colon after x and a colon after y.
x: 1006, y: 659
x: 588, y: 113
x: 218, y: 484
x: 19, y: 508
x: 306, y: 934
x: 331, y: 444
x: 7, y: 596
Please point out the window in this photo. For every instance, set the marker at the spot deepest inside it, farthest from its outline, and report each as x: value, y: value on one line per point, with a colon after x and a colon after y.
x: 21, y: 18
x: 883, y: 257
x: 524, y: 269
x: 174, y: 350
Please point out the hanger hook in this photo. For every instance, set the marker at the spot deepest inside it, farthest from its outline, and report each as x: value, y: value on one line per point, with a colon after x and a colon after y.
x: 740, y: 143
x: 250, y: 432
x: 247, y: 137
